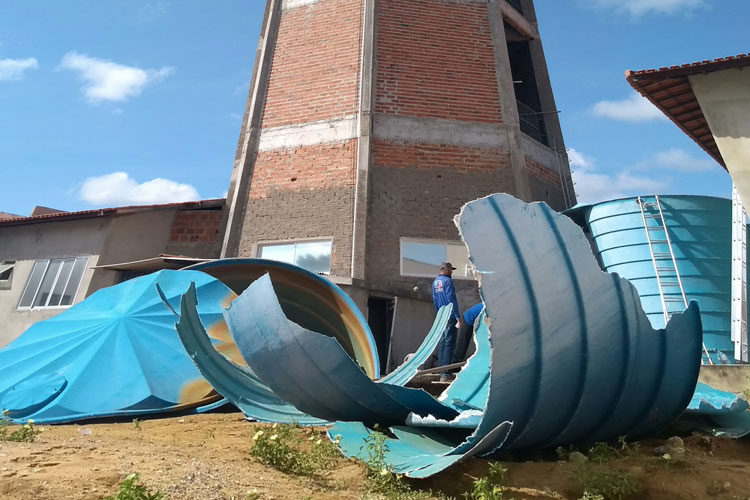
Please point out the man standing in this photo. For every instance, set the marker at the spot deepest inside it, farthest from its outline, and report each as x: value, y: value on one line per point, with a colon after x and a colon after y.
x: 443, y: 293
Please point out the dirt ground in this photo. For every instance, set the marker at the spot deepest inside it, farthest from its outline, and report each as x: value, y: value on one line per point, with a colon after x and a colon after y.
x: 207, y: 457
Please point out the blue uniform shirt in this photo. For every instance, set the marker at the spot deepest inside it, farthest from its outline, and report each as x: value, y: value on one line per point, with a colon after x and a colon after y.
x: 471, y: 314
x: 443, y: 294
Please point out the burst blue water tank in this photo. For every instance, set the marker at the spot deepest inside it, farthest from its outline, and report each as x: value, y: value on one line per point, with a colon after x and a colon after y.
x: 700, y: 231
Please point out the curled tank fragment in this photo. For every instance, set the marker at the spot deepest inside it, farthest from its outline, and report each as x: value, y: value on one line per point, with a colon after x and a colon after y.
x: 308, y: 299
x: 563, y: 335
x: 312, y: 371
x: 299, y: 293
x: 568, y: 336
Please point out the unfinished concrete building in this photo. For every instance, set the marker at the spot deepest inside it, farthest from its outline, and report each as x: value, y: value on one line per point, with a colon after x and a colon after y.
x: 53, y: 259
x: 369, y: 124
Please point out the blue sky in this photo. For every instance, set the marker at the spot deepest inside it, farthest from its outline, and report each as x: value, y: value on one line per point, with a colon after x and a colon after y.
x: 106, y: 103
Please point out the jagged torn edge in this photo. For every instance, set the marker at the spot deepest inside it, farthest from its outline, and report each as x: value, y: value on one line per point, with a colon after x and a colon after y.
x: 710, y: 401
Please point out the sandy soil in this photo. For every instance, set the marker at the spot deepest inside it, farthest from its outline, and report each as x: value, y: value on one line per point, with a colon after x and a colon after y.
x: 206, y: 457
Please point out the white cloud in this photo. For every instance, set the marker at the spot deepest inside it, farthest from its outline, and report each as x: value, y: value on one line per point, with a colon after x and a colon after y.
x: 579, y: 160
x: 635, y: 108
x: 153, y: 10
x: 109, y: 81
x: 593, y: 186
x: 13, y: 69
x: 679, y: 159
x: 638, y: 8
x: 119, y: 189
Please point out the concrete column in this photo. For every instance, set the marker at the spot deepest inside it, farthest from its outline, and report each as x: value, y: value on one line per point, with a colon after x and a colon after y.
x: 248, y: 144
x: 364, y: 140
x: 508, y: 102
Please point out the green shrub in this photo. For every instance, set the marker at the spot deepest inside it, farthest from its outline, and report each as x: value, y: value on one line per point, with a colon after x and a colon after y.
x: 131, y: 490
x: 491, y: 486
x: 602, y: 452
x: 381, y: 480
x: 25, y: 433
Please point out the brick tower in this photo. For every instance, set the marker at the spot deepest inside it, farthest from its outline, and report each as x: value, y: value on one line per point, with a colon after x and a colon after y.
x: 369, y: 123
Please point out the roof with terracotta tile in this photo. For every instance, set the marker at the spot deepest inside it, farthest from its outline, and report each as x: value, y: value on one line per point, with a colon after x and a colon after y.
x: 669, y: 90
x: 15, y: 220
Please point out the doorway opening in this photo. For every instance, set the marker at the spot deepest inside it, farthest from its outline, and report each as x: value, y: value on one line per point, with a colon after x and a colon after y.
x: 380, y: 319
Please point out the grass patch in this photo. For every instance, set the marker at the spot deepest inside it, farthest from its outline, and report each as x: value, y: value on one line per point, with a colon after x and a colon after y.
x: 601, y: 452
x: 282, y: 447
x: 131, y: 490
x: 609, y: 483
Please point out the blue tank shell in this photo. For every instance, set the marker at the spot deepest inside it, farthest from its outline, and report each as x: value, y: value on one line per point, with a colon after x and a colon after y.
x: 700, y: 231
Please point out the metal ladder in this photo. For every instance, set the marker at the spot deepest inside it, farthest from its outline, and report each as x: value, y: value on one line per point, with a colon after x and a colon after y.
x: 665, y: 264
x: 739, y: 279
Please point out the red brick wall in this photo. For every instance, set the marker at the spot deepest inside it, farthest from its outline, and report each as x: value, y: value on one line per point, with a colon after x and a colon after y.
x: 304, y: 169
x: 315, y: 69
x: 195, y: 226
x: 409, y: 199
x: 461, y: 159
x: 545, y: 184
x: 319, y: 203
x: 543, y: 173
x: 436, y: 59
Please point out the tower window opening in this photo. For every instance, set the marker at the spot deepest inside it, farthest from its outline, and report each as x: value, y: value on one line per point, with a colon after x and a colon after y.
x: 530, y: 112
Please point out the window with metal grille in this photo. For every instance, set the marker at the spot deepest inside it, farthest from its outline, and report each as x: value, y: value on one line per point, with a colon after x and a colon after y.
x: 6, y: 274
x: 53, y: 283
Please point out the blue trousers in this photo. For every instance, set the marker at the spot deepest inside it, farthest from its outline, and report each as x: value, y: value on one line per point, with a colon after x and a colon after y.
x: 447, y: 343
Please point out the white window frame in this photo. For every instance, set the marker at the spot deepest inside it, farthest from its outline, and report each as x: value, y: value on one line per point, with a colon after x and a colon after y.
x: 259, y: 248
x: 467, y: 264
x: 5, y: 265
x: 52, y: 286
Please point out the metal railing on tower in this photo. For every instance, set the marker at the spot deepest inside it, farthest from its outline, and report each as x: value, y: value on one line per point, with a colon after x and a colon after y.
x: 532, y: 123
